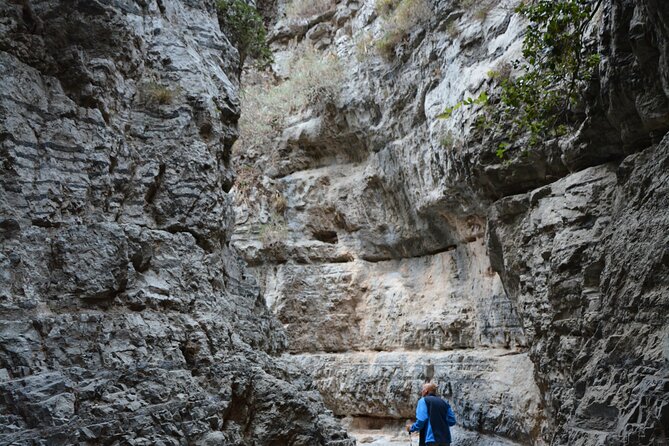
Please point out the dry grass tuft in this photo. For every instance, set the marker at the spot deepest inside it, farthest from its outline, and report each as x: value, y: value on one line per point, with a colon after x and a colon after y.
x: 315, y: 79
x: 400, y: 16
x: 273, y: 233
x: 155, y: 93
x: 483, y: 10
x: 385, y: 8
x: 280, y: 203
x: 302, y: 9
x: 364, y: 44
x: 480, y: 8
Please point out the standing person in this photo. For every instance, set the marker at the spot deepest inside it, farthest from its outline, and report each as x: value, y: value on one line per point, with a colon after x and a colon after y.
x: 434, y: 416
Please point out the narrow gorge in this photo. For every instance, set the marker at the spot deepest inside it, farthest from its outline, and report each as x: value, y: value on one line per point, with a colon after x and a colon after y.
x: 201, y: 244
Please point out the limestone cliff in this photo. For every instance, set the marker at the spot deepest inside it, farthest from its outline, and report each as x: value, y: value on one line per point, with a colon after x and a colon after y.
x: 393, y: 245
x: 125, y: 315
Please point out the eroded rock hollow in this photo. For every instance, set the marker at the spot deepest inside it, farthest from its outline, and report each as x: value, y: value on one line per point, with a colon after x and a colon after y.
x: 160, y: 286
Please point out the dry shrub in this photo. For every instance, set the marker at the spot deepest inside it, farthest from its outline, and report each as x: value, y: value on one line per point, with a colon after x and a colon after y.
x: 302, y: 9
x: 502, y: 72
x: 315, y: 78
x: 388, y: 42
x: 449, y: 141
x: 273, y: 233
x: 467, y: 3
x: 280, y: 203
x: 410, y: 13
x: 453, y: 30
x: 155, y: 93
x: 481, y: 8
x: 385, y: 8
x: 364, y: 44
x: 247, y: 178
x: 400, y: 17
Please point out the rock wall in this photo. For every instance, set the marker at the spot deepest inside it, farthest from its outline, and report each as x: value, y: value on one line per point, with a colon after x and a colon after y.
x: 591, y: 283
x: 125, y: 315
x: 406, y: 249
x: 380, y: 275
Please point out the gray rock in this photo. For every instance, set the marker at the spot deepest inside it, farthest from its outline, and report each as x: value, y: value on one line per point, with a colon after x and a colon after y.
x: 125, y: 317
x: 590, y: 283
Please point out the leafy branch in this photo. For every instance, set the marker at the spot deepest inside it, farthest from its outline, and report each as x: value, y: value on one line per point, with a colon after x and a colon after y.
x: 557, y: 65
x: 480, y: 100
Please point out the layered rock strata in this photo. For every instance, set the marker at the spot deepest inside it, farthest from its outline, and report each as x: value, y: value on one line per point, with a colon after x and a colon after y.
x: 380, y: 270
x: 376, y: 276
x: 125, y: 316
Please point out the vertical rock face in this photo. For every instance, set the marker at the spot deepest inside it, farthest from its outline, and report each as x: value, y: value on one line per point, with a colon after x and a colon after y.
x: 379, y: 270
x: 591, y: 283
x: 550, y: 329
x: 125, y: 316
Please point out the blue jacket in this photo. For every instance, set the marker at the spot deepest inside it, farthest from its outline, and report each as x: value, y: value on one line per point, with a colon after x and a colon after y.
x: 433, y: 418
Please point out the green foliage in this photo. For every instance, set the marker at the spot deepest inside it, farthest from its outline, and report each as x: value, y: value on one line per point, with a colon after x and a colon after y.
x: 501, y: 149
x: 541, y: 102
x: 246, y: 30
x: 479, y: 100
x: 556, y: 69
x: 501, y: 73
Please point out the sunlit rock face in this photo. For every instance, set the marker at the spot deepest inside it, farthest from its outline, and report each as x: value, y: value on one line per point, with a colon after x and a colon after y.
x: 393, y: 246
x: 125, y: 316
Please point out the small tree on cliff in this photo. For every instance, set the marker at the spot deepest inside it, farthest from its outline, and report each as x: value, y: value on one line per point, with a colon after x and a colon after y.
x: 245, y: 28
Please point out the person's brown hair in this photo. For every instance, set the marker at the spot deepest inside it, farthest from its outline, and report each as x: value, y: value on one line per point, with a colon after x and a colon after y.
x: 429, y: 388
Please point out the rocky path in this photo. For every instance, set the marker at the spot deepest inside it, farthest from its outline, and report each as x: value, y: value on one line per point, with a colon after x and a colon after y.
x: 396, y: 436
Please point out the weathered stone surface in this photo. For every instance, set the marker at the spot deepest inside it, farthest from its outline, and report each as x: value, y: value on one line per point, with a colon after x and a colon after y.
x: 591, y: 286
x: 125, y: 317
x: 441, y: 302
x: 492, y: 391
x: 376, y: 249
x: 379, y: 243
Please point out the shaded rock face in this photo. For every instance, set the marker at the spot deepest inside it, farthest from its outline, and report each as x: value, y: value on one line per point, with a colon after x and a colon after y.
x: 125, y: 316
x: 629, y: 104
x: 533, y: 290
x: 591, y: 285
x: 635, y: 39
